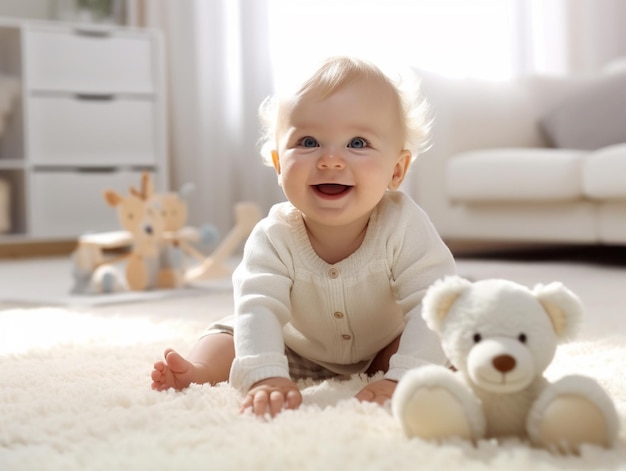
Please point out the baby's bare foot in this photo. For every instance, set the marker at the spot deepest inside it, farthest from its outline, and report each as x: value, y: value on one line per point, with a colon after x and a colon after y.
x: 175, y: 372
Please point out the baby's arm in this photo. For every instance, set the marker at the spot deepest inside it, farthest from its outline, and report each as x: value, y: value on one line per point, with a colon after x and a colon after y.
x: 419, y: 261
x: 418, y: 346
x: 262, y: 285
x: 271, y: 396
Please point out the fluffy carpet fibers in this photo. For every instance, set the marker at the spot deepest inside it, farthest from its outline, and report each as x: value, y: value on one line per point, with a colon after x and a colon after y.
x: 75, y: 395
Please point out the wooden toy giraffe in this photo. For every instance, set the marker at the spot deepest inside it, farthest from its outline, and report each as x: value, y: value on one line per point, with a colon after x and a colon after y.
x: 153, y: 229
x: 139, y: 214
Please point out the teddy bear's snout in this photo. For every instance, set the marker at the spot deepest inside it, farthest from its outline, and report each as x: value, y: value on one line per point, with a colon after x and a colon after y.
x: 504, y: 363
x: 500, y: 364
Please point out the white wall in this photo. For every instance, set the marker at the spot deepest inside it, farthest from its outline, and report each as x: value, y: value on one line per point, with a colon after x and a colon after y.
x: 124, y: 11
x: 596, y: 33
x: 36, y: 9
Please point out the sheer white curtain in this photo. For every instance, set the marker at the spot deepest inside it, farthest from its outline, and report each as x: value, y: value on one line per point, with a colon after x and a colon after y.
x: 452, y: 37
x: 221, y: 54
x: 218, y: 72
x: 571, y: 36
x: 492, y: 39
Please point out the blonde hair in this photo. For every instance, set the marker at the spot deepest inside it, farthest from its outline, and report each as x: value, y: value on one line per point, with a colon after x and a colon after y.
x: 334, y: 74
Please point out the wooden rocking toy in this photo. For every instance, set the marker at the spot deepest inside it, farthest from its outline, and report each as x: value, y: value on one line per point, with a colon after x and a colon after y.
x: 155, y: 242
x: 246, y: 216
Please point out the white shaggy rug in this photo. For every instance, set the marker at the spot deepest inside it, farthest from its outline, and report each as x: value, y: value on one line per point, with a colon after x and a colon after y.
x: 75, y: 394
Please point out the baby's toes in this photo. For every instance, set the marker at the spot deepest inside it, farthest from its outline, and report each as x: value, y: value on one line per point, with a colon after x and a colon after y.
x: 157, y: 376
x: 159, y: 383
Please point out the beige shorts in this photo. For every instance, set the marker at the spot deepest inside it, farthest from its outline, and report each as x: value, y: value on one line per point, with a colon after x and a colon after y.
x: 299, y: 367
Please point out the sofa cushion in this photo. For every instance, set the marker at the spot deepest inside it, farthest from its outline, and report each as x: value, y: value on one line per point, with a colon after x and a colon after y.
x: 516, y: 174
x: 590, y: 119
x: 604, y: 173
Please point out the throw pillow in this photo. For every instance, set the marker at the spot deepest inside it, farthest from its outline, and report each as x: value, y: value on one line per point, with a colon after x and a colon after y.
x: 591, y: 119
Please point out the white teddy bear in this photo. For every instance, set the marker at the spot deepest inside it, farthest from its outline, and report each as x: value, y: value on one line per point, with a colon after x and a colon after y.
x: 501, y: 336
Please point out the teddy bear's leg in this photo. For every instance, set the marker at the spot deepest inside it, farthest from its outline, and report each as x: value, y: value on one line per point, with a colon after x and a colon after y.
x: 573, y: 411
x: 431, y: 403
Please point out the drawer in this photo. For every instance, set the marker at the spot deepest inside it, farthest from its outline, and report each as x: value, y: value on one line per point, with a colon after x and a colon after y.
x: 67, y: 130
x: 89, y: 63
x: 66, y: 204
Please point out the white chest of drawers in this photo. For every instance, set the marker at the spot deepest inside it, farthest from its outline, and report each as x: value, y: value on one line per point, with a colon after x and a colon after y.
x: 90, y: 116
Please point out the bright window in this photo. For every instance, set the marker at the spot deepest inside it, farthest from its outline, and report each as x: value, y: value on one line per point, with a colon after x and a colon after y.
x: 460, y: 38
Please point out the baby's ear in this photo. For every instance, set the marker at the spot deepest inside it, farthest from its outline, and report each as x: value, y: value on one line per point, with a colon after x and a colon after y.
x: 439, y: 299
x: 276, y: 161
x: 400, y: 170
x: 563, y: 307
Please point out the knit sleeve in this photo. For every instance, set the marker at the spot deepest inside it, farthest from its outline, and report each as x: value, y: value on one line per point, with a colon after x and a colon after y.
x: 418, y: 258
x: 261, y: 284
x: 250, y: 369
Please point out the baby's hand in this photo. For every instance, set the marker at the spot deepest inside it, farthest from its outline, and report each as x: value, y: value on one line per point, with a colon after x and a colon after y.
x: 272, y: 395
x: 378, y: 391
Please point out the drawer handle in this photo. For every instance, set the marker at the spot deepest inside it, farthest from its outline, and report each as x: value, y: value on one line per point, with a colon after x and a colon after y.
x: 96, y: 170
x: 92, y: 32
x: 95, y: 96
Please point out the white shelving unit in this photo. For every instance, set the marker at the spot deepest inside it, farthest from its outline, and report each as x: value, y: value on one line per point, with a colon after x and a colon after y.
x: 90, y: 116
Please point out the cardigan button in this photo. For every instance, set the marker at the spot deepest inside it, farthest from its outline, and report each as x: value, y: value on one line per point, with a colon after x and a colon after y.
x: 338, y: 315
x: 346, y: 337
x: 333, y: 273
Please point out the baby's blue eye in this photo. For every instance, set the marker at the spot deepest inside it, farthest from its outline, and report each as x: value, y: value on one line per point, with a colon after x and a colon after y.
x: 357, y: 143
x: 309, y: 142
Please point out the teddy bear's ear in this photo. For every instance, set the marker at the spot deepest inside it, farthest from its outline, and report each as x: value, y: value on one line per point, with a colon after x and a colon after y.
x: 563, y: 307
x: 440, y: 297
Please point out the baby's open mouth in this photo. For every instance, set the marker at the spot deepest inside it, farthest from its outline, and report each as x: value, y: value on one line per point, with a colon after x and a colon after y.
x: 332, y: 189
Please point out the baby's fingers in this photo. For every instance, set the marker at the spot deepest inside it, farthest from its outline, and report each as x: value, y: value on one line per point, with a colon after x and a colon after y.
x: 365, y: 395
x: 277, y: 401
x: 249, y: 402
x: 271, y: 397
x: 263, y: 402
x: 294, y: 399
x: 260, y: 403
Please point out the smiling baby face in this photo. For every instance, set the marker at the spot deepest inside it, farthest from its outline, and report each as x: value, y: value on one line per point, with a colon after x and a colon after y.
x: 340, y: 150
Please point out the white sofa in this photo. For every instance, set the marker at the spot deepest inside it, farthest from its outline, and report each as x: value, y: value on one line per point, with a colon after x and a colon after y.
x: 536, y: 160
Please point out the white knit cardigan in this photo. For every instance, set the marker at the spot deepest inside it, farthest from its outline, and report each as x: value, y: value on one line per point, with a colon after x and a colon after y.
x: 339, y: 315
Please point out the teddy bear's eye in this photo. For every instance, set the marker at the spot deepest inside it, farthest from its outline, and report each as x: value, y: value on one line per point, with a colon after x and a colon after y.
x: 522, y: 338
x: 477, y: 338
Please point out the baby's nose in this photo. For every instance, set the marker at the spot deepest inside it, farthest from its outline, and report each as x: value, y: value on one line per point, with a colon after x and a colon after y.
x: 331, y: 159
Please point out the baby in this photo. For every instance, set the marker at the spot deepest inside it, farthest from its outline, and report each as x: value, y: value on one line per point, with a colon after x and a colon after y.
x: 331, y: 281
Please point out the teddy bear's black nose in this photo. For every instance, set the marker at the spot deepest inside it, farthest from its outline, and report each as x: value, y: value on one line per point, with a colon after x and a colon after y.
x: 504, y: 363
